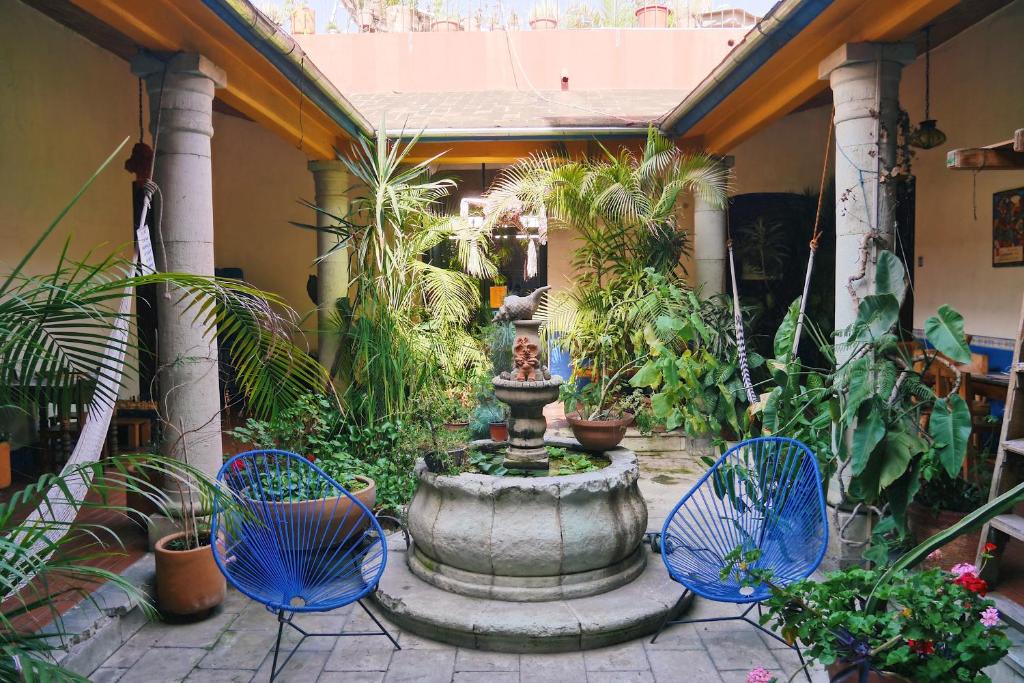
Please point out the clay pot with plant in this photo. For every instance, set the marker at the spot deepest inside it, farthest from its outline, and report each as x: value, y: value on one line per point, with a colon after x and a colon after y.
x: 544, y: 17
x: 652, y: 15
x: 594, y: 409
x: 188, y: 580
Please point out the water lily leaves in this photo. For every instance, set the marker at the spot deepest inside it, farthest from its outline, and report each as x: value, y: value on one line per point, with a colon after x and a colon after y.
x: 945, y: 331
x: 950, y: 426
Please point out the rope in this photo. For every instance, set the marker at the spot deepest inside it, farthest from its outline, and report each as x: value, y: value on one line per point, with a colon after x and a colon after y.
x: 815, y: 236
x: 737, y: 321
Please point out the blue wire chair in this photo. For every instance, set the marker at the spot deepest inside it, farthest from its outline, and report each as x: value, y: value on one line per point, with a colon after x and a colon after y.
x: 764, y: 494
x: 296, y: 541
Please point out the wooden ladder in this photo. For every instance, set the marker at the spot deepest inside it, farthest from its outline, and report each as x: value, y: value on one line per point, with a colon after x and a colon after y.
x: 1008, y: 468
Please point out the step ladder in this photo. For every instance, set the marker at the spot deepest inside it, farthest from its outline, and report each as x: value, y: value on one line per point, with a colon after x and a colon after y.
x: 1009, y: 468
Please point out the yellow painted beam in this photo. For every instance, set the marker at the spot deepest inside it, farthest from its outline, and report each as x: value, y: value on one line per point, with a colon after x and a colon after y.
x: 254, y: 86
x: 790, y: 77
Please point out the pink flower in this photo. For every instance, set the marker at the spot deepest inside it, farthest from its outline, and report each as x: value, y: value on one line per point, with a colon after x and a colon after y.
x: 990, y: 617
x: 760, y: 675
x: 963, y: 568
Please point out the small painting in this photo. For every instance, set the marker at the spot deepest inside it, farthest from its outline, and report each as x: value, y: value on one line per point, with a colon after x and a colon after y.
x: 1008, y: 228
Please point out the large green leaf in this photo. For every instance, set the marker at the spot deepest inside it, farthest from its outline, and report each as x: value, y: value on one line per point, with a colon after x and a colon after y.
x: 876, y: 315
x: 861, y: 385
x: 787, y: 330
x: 647, y: 376
x: 866, y: 437
x: 945, y: 331
x: 890, y: 276
x: 900, y: 449
x: 950, y: 426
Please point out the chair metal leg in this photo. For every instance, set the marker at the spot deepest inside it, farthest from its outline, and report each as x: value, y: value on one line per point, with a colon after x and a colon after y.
x: 380, y: 626
x: 667, y: 621
x: 277, y: 644
x: 803, y: 664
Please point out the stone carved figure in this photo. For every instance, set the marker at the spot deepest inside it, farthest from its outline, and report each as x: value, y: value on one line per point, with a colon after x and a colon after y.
x: 526, y: 360
x: 519, y: 307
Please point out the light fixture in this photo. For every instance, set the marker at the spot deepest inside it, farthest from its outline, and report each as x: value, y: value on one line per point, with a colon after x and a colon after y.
x: 927, y: 134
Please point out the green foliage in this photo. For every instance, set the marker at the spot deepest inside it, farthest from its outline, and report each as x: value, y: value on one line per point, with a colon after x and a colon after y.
x: 404, y: 325
x: 923, y: 626
x: 883, y: 398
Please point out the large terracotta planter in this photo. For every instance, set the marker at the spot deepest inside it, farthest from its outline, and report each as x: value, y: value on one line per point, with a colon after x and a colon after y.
x: 445, y: 26
x: 187, y: 581
x: 925, y: 522
x: 599, y: 435
x: 334, y: 519
x: 545, y: 24
x: 652, y: 16
x: 499, y: 431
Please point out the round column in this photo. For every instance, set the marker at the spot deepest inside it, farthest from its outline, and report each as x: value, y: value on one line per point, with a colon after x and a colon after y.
x: 709, y: 234
x: 331, y: 183
x: 181, y: 89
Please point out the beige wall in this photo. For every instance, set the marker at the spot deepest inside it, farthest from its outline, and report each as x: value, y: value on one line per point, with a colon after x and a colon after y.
x: 787, y: 156
x: 65, y: 105
x: 977, y: 97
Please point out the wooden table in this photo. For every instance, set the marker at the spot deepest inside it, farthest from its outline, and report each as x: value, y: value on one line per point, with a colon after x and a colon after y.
x: 991, y: 385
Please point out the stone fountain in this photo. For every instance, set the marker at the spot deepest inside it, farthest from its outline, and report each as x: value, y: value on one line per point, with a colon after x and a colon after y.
x: 528, y: 563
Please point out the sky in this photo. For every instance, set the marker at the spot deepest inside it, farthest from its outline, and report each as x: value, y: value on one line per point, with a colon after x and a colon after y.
x: 323, y: 8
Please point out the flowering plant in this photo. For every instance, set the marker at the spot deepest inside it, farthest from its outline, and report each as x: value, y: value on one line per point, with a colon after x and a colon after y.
x: 931, y: 626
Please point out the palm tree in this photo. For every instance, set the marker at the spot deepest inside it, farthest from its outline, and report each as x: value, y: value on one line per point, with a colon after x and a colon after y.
x: 623, y: 207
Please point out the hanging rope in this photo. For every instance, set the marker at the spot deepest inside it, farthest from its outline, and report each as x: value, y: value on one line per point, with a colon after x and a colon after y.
x: 737, y: 321
x: 815, y: 235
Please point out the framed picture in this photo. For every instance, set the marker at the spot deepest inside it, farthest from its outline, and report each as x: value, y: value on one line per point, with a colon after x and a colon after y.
x: 1008, y: 228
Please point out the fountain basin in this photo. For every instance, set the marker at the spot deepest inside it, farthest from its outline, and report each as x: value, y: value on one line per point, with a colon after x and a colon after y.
x: 526, y: 539
x: 526, y: 423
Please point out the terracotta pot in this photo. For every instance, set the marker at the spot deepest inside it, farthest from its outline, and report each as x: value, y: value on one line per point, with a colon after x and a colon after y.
x: 873, y: 676
x: 187, y: 581
x: 434, y: 463
x: 5, y: 464
x: 334, y: 521
x: 456, y: 426
x: 925, y: 522
x: 445, y: 26
x: 652, y: 16
x: 499, y: 431
x: 545, y: 24
x: 599, y: 435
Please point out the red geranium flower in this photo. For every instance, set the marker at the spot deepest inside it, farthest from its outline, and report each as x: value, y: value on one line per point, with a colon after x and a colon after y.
x: 311, y: 457
x: 238, y: 465
x: 973, y: 584
x: 922, y: 647
x: 990, y: 547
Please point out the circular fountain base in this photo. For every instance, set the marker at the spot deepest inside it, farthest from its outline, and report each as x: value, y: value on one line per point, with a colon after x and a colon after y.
x: 631, y: 611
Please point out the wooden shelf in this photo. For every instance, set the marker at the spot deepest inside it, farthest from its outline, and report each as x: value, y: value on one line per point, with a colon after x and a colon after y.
x: 1007, y: 155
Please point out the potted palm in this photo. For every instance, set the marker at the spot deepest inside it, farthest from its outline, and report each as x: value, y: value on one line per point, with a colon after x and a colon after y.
x: 544, y: 16
x: 652, y: 15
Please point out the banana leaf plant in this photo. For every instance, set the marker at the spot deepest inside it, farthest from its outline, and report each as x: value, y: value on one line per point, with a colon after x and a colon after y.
x: 883, y: 397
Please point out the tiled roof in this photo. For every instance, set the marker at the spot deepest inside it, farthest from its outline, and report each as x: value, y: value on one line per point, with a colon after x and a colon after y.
x: 517, y: 109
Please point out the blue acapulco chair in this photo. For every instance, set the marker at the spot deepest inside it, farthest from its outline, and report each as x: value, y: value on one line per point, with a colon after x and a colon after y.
x: 296, y: 541
x: 765, y: 494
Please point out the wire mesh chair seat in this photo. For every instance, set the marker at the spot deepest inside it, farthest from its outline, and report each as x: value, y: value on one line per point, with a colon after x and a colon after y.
x: 295, y: 540
x: 763, y: 494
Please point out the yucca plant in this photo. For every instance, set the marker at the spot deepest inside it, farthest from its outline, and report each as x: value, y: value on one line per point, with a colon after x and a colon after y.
x: 43, y: 552
x: 406, y: 317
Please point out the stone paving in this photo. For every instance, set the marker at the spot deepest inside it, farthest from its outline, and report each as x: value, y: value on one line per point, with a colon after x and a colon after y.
x: 233, y: 646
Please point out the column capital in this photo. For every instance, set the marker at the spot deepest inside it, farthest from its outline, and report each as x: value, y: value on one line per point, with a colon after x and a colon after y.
x: 327, y: 165
x: 856, y: 53
x: 147, y: 64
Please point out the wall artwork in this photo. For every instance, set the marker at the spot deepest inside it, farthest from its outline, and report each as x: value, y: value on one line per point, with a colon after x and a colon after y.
x: 1008, y: 228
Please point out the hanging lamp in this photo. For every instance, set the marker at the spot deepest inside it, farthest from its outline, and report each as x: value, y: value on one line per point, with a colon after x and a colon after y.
x: 927, y: 134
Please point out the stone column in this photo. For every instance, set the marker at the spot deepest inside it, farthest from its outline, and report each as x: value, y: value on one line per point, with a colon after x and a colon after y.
x: 865, y: 81
x: 709, y: 234
x: 331, y: 194
x: 181, y: 89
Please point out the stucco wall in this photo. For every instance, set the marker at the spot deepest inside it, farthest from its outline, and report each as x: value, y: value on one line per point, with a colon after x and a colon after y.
x: 65, y: 104
x: 977, y: 99
x: 787, y: 156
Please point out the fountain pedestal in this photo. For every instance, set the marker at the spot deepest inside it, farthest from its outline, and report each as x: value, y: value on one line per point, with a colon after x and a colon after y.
x: 527, y: 389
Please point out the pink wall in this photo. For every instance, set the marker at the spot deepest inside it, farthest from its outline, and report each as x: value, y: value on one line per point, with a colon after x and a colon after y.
x: 599, y: 59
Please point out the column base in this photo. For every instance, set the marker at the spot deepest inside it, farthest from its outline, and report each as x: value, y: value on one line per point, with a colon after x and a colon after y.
x: 843, y: 555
